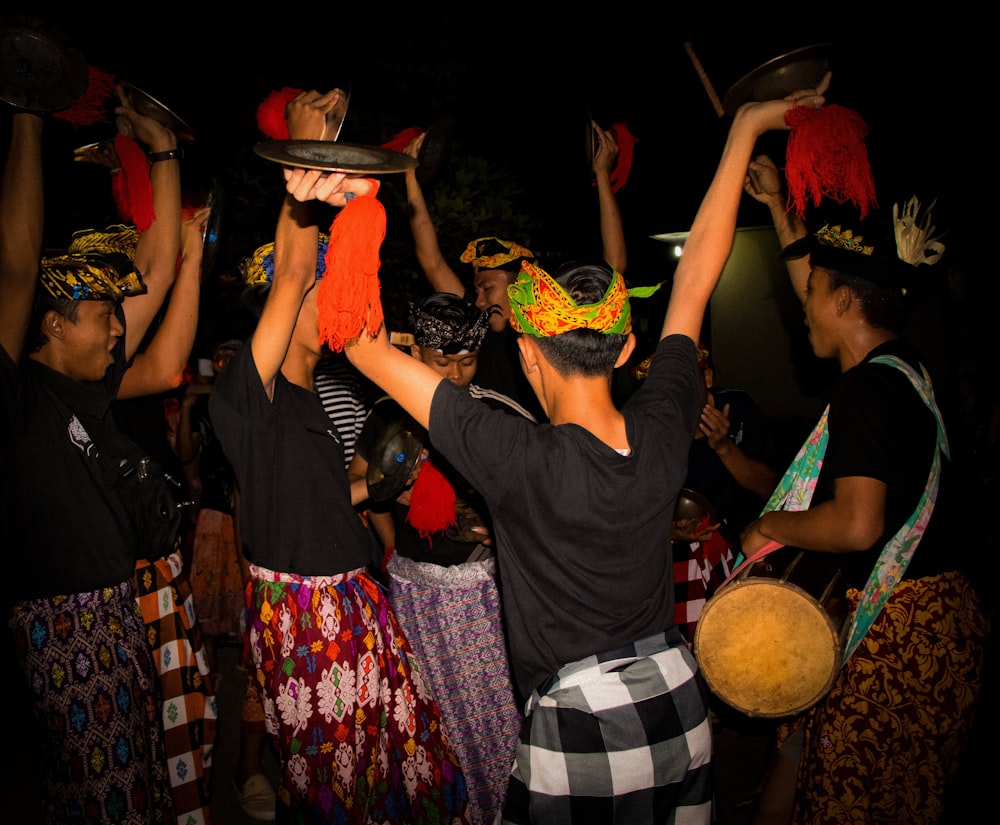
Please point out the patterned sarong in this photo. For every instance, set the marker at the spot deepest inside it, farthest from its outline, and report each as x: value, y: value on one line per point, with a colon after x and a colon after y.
x: 617, y: 738
x: 452, y: 619
x: 94, y: 695
x: 883, y: 745
x: 359, y: 736
x: 216, y: 578
x: 188, y: 703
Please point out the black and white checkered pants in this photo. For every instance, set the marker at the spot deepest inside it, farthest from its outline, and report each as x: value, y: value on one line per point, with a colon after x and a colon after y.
x: 619, y: 737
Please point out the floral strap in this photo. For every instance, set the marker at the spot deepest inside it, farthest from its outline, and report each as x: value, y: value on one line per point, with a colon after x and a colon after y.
x: 896, y: 555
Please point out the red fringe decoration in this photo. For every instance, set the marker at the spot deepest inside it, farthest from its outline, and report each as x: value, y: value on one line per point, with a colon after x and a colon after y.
x: 826, y: 156
x: 91, y: 108
x: 399, y: 141
x: 432, y: 501
x: 626, y: 151
x: 348, y: 299
x: 134, y: 195
x: 271, y: 118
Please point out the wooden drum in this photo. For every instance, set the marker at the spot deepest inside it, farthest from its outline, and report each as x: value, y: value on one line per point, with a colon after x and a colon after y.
x: 770, y: 641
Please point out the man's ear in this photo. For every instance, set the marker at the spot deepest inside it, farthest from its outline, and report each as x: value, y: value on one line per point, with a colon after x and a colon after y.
x: 627, y: 351
x: 528, y: 347
x: 54, y: 325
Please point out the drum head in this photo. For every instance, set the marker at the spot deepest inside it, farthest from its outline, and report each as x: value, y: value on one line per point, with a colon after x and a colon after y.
x: 767, y: 648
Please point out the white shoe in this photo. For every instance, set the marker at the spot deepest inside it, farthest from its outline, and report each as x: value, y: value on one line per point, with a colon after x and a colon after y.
x: 256, y: 797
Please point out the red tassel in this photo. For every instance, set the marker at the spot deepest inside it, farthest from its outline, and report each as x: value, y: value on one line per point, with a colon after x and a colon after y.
x: 271, y: 118
x: 348, y: 299
x: 432, y: 501
x: 399, y: 141
x: 626, y: 151
x: 137, y: 189
x: 826, y: 156
x: 91, y: 107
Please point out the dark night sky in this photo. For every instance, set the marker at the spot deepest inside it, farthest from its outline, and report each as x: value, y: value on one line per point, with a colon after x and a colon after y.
x: 519, y: 89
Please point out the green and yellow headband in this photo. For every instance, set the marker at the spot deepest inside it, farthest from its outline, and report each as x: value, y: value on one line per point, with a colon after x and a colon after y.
x: 540, y: 306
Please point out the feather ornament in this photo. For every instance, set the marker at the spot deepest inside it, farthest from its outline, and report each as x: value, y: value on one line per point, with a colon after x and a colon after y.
x: 915, y: 240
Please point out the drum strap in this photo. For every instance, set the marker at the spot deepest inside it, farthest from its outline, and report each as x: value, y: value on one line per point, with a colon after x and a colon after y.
x: 795, y: 492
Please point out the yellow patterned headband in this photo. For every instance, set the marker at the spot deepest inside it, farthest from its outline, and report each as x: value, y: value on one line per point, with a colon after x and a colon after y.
x: 258, y: 269
x: 80, y: 278
x: 491, y: 253
x: 540, y: 306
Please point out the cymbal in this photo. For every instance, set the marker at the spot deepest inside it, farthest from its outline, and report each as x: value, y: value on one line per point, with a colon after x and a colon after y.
x: 693, y: 505
x: 331, y: 156
x: 147, y: 105
x: 787, y: 73
x: 396, y: 452
x: 39, y: 70
x: 436, y: 149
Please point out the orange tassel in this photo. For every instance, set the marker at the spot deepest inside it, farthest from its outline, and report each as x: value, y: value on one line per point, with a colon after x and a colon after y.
x: 271, y: 118
x: 136, y: 191
x: 432, y: 501
x: 826, y: 157
x: 91, y: 107
x: 348, y: 299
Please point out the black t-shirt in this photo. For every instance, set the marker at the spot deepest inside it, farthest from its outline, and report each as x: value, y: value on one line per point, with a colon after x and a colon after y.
x: 65, y: 529
x: 499, y: 368
x: 582, y: 533
x: 443, y: 547
x: 880, y: 428
x: 295, y: 502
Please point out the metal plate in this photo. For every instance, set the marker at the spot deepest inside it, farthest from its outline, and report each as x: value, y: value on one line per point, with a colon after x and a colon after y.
x: 335, y: 117
x: 692, y: 504
x: 435, y: 150
x: 799, y: 69
x: 329, y: 156
x: 396, y: 452
x: 147, y: 105
x: 39, y: 70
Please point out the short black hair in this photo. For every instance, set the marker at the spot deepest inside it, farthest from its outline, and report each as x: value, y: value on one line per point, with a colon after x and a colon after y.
x: 583, y: 351
x: 43, y: 304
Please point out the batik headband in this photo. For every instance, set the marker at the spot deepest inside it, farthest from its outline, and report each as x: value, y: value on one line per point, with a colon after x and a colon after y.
x: 447, y: 336
x: 492, y: 253
x: 80, y: 278
x: 116, y: 247
x: 540, y: 306
x: 258, y: 269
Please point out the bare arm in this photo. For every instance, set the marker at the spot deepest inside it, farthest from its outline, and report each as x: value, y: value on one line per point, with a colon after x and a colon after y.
x: 441, y: 277
x: 159, y: 245
x: 852, y: 520
x: 764, y: 183
x: 296, y: 242
x: 612, y: 232
x: 21, y: 227
x: 160, y: 367
x: 711, y: 237
x: 749, y: 473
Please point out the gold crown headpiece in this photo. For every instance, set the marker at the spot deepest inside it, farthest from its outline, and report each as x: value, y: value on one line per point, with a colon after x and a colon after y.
x: 840, y: 238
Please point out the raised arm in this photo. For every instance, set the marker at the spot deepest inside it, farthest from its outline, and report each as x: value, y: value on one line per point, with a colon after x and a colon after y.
x: 21, y: 227
x: 612, y: 233
x: 159, y: 245
x: 765, y: 183
x: 160, y: 366
x: 711, y: 237
x: 296, y: 242
x: 441, y: 277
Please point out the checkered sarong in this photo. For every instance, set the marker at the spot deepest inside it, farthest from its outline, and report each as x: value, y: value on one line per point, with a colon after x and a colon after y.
x: 619, y: 737
x: 188, y: 703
